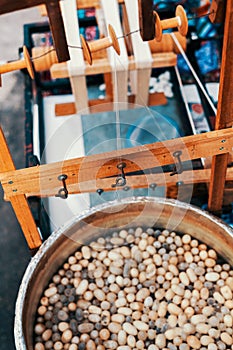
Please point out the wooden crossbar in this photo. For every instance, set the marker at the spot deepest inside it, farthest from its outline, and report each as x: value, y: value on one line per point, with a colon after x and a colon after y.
x: 43, y: 180
x: 163, y: 59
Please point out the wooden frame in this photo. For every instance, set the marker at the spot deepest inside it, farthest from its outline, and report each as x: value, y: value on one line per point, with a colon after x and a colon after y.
x: 101, y: 171
x: 55, y: 21
x: 133, y: 65
x: 224, y: 117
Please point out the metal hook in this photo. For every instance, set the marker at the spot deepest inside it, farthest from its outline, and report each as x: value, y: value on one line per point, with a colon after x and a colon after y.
x: 63, y: 192
x: 120, y: 180
x: 178, y: 169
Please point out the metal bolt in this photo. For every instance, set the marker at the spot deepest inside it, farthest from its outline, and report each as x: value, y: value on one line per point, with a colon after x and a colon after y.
x: 126, y: 188
x: 221, y: 148
x: 153, y: 186
x: 10, y: 182
x: 121, y: 166
x: 179, y: 183
x: 62, y: 177
x: 99, y: 191
x: 223, y: 141
x: 14, y: 190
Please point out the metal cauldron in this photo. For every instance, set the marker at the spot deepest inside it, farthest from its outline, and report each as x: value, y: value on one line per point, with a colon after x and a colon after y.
x: 99, y: 221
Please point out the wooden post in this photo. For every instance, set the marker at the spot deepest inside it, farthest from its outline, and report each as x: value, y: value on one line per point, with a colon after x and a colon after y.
x: 217, y: 11
x: 146, y: 19
x: 224, y: 118
x: 57, y: 29
x: 19, y: 202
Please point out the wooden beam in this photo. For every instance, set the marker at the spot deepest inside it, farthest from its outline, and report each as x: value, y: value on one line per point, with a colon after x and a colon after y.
x: 148, y: 181
x: 101, y: 66
x: 16, y: 5
x: 43, y: 180
x: 58, y: 30
x: 146, y: 19
x: 224, y: 117
x: 217, y: 11
x: 81, y: 5
x: 140, y: 78
x: 105, y: 105
x: 19, y: 202
x: 55, y: 20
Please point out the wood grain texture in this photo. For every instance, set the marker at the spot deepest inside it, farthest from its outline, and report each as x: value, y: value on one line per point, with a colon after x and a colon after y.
x: 146, y: 19
x: 217, y: 11
x: 43, y: 180
x: 58, y: 30
x: 83, y: 4
x: 224, y: 117
x: 106, y: 104
x: 101, y: 66
x: 19, y: 203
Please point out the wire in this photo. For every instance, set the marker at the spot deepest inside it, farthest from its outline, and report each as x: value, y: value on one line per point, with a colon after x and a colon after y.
x: 204, y: 15
x: 42, y: 55
x: 194, y: 73
x: 120, y: 37
x: 128, y: 34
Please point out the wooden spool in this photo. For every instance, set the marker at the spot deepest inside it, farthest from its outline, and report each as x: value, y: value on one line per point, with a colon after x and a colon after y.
x: 97, y: 45
x: 180, y: 21
x: 167, y: 44
x: 20, y: 64
x: 43, y: 58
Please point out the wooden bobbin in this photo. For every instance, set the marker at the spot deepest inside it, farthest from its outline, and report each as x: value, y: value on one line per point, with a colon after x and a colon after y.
x: 167, y: 44
x: 180, y: 21
x: 100, y: 44
x: 20, y: 64
x: 43, y: 58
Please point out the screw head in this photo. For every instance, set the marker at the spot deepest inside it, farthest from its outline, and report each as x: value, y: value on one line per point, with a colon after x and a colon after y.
x: 177, y: 153
x: 121, y: 165
x: 62, y: 177
x: 153, y: 186
x: 99, y: 191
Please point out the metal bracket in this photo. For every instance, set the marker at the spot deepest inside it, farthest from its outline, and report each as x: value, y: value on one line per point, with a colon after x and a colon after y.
x: 63, y: 192
x: 121, y: 179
